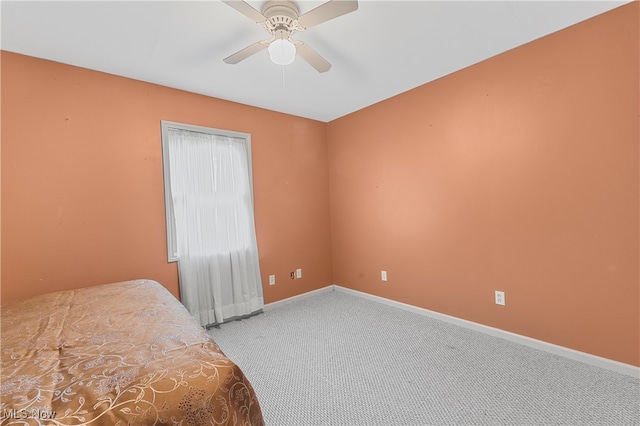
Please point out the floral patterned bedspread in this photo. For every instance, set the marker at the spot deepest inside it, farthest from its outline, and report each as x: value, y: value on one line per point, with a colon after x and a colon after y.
x: 117, y: 354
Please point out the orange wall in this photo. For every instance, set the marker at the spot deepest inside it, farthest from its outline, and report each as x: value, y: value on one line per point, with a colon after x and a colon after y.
x: 517, y: 174
x: 82, y: 191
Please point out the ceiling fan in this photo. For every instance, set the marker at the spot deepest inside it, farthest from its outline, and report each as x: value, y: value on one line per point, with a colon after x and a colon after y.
x: 281, y: 19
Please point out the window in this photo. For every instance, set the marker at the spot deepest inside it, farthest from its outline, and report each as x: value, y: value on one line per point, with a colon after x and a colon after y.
x: 210, y: 221
x: 222, y: 159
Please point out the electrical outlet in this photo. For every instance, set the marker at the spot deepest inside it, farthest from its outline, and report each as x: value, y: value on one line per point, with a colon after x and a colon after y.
x: 500, y: 300
x: 298, y: 273
x: 383, y: 275
x: 272, y: 280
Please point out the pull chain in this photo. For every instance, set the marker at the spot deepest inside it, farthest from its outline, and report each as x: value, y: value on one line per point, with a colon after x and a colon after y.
x: 284, y: 85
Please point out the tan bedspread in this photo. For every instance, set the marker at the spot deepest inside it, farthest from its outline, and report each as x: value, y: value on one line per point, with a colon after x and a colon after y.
x: 117, y: 354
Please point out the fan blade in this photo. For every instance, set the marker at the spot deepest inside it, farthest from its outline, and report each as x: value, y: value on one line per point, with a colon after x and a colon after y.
x: 329, y: 10
x: 246, y: 52
x: 312, y: 57
x: 246, y: 9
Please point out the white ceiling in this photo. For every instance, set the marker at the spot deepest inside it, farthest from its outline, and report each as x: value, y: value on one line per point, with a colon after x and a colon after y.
x: 382, y: 49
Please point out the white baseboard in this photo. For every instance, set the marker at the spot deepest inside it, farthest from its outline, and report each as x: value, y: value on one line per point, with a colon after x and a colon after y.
x: 298, y: 297
x: 584, y: 357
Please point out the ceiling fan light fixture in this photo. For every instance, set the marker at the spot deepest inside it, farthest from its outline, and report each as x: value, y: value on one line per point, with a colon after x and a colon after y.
x: 281, y: 19
x: 282, y: 51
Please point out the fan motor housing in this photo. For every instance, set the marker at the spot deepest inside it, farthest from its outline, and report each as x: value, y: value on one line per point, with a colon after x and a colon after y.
x: 281, y: 15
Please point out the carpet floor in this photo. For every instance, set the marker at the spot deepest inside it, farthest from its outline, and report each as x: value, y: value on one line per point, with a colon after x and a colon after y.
x: 339, y: 359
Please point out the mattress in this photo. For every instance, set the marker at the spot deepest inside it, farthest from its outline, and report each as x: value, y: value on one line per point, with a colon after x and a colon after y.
x: 117, y: 354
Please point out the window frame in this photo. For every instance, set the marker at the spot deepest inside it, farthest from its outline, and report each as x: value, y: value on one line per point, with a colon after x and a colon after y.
x: 172, y: 249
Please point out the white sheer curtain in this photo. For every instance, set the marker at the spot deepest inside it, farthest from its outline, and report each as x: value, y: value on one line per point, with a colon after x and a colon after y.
x: 210, y: 183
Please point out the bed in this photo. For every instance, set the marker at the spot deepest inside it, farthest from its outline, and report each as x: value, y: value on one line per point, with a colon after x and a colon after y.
x: 117, y: 354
